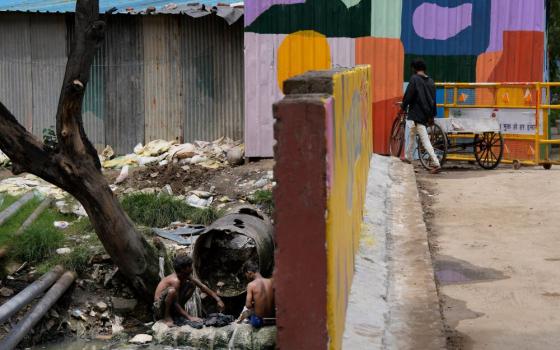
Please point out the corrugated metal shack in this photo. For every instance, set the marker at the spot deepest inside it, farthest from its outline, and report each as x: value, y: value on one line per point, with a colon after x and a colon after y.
x: 165, y: 71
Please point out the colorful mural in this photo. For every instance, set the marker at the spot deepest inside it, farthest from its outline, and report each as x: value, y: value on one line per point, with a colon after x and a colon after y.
x: 461, y: 40
x: 350, y: 147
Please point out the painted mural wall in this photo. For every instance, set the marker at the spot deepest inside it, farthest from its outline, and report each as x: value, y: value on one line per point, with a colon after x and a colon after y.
x: 461, y: 41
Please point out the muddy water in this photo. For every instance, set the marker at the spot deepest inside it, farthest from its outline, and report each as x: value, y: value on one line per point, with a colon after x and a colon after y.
x: 77, y: 344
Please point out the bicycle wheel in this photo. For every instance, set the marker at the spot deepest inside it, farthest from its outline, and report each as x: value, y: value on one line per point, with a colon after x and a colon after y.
x: 438, y: 139
x: 396, y: 139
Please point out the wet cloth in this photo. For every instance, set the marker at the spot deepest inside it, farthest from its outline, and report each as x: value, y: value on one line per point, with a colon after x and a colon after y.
x: 256, y: 321
x: 218, y: 320
x: 181, y: 321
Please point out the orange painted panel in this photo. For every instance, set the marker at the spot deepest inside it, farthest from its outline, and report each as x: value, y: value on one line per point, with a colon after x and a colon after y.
x: 386, y: 58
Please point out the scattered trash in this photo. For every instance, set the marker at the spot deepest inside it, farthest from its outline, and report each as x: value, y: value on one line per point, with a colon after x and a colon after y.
x: 235, y: 155
x: 61, y: 224
x: 116, y: 326
x: 123, y: 175
x: 63, y: 251
x: 108, y: 153
x: 197, y: 202
x: 192, y: 232
x: 202, y: 194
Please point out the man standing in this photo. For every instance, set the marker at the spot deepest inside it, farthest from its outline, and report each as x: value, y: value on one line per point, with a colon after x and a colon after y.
x: 420, y: 98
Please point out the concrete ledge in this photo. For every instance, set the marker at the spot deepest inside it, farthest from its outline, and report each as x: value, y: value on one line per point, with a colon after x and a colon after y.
x: 234, y: 336
x: 393, y: 303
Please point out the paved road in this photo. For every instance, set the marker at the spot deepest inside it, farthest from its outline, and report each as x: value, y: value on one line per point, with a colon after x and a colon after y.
x: 496, y: 240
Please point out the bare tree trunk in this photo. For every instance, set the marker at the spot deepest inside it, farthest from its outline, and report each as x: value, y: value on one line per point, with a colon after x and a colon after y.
x: 74, y: 166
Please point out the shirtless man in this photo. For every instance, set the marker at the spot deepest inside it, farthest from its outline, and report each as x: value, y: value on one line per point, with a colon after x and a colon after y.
x: 260, y: 296
x: 176, y: 288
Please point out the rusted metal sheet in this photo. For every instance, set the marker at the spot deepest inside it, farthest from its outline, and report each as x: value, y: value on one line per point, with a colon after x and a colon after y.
x: 48, y: 62
x: 163, y: 99
x: 15, y: 67
x: 124, y: 83
x: 213, y: 84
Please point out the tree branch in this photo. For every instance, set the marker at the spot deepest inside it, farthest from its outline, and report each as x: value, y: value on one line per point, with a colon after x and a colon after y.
x: 26, y: 152
x: 89, y: 33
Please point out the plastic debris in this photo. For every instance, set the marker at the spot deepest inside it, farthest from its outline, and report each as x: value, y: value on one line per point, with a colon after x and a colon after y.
x: 61, y: 224
x: 123, y: 175
x: 197, y: 202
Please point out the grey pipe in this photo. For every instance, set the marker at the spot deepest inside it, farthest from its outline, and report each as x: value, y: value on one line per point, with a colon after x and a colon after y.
x: 32, y: 317
x: 31, y: 292
x: 31, y: 219
x: 12, y: 209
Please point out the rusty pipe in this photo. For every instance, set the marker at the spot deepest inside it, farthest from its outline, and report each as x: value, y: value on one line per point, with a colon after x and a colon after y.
x: 31, y: 292
x: 32, y: 317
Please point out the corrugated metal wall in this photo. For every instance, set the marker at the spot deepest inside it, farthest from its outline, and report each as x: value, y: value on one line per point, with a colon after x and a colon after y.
x: 15, y: 67
x: 461, y: 40
x: 163, y: 88
x: 163, y: 76
x: 48, y: 63
x: 213, y: 83
x: 124, y: 83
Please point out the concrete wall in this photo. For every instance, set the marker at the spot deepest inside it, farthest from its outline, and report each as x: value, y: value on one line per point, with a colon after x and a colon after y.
x: 324, y: 138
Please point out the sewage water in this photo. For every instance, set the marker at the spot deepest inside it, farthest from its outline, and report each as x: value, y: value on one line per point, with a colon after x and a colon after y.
x: 78, y: 344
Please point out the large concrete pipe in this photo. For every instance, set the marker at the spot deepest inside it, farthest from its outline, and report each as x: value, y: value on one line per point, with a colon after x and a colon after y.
x: 221, y: 250
x: 35, y: 215
x: 32, y: 317
x: 31, y: 292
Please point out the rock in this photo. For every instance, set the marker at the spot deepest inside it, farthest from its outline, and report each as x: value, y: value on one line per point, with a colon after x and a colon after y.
x: 141, y: 339
x: 101, y: 306
x: 261, y: 183
x: 93, y: 313
x: 149, y: 190
x: 235, y: 156
x: 105, y: 316
x: 78, y: 314
x: 6, y: 292
x: 63, y: 251
x: 167, y: 190
x: 123, y: 305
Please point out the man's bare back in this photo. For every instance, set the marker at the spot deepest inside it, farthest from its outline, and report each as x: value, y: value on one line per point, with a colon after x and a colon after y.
x: 171, y: 281
x: 261, y: 291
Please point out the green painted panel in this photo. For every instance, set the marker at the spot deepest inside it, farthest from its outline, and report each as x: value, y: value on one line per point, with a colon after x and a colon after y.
x: 446, y: 68
x: 329, y: 17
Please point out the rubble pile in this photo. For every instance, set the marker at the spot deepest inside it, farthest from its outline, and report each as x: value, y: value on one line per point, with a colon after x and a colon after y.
x: 211, y: 155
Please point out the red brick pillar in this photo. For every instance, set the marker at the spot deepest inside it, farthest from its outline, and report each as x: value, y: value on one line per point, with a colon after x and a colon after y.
x: 300, y: 202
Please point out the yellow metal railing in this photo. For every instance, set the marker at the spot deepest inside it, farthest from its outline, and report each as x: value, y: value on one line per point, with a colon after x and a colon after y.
x: 533, y: 96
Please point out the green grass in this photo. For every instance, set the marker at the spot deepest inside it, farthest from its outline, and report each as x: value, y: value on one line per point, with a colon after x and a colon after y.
x: 161, y: 210
x: 263, y: 198
x: 36, y: 244
x: 7, y: 200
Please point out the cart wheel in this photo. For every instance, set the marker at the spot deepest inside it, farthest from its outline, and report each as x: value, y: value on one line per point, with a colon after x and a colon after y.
x: 547, y: 166
x: 438, y: 139
x: 396, y: 139
x: 489, y: 149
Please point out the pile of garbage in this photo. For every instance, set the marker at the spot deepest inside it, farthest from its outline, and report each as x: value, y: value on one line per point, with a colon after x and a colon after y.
x: 211, y: 155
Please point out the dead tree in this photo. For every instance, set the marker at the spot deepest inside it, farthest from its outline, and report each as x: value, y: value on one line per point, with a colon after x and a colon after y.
x: 74, y: 164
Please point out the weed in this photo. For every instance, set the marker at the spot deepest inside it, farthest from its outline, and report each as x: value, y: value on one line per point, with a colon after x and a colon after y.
x: 265, y: 199
x: 37, y: 243
x: 161, y: 210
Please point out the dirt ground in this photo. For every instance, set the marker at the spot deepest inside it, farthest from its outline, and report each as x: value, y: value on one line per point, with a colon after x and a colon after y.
x: 496, y: 253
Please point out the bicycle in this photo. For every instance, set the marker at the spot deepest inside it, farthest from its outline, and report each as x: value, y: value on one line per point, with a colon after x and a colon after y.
x: 438, y: 139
